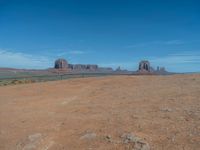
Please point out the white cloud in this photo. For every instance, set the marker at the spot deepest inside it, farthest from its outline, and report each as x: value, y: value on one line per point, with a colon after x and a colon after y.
x: 180, y: 62
x: 179, y: 58
x: 76, y: 52
x: 71, y: 52
x: 12, y: 59
x: 173, y: 42
x: 21, y: 60
x: 169, y: 42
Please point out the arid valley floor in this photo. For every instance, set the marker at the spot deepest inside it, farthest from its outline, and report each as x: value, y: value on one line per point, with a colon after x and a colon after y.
x: 102, y: 113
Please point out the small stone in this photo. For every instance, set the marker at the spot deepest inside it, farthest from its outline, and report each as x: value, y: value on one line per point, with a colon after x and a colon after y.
x: 30, y: 143
x: 88, y: 136
x: 135, y: 142
x: 128, y: 138
x: 35, y: 137
x: 109, y: 138
x: 166, y: 109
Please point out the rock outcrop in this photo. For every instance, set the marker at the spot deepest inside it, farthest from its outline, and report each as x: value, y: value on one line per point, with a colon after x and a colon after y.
x: 144, y: 67
x: 134, y: 142
x: 79, y: 67
x: 61, y: 64
x: 161, y: 71
x: 92, y: 67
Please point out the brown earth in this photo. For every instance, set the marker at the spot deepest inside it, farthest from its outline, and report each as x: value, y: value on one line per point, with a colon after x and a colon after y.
x: 95, y: 113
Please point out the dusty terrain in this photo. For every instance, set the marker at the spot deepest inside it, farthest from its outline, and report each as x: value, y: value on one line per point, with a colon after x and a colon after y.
x: 104, y: 113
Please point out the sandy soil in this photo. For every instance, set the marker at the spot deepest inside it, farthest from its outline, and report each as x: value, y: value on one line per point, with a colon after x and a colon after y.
x: 94, y: 113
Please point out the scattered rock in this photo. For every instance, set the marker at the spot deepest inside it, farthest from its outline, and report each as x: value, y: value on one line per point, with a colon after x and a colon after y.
x: 166, y: 109
x: 128, y: 138
x: 109, y: 138
x: 135, y: 143
x: 31, y: 142
x: 88, y: 136
x: 34, y: 137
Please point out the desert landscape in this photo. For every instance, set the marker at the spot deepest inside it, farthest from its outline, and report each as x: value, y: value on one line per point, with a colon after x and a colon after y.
x: 99, y: 75
x: 102, y: 113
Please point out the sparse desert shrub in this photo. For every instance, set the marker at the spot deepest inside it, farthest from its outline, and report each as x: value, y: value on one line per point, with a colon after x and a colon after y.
x: 16, y: 82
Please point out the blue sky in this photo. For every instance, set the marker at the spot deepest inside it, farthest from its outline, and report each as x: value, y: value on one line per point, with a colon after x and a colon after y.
x: 109, y: 33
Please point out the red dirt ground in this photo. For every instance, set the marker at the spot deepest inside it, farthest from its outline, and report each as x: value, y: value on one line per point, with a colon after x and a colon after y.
x: 59, y: 115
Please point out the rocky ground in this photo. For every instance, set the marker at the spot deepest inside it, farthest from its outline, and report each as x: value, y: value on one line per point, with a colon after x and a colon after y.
x: 104, y: 113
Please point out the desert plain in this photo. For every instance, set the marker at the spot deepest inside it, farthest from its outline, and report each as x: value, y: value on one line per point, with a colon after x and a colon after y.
x: 102, y: 113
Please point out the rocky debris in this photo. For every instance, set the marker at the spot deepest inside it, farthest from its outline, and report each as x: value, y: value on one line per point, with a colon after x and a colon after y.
x: 135, y: 143
x: 108, y: 138
x: 34, y: 137
x: 88, y: 136
x: 31, y: 142
x: 61, y: 64
x: 130, y: 141
x: 128, y: 138
x: 166, y: 109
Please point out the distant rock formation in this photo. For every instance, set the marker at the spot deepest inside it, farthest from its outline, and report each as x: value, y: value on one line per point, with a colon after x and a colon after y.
x: 105, y: 70
x: 161, y: 71
x: 144, y: 66
x: 118, y: 69
x: 61, y: 64
x: 92, y: 67
x: 83, y: 67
